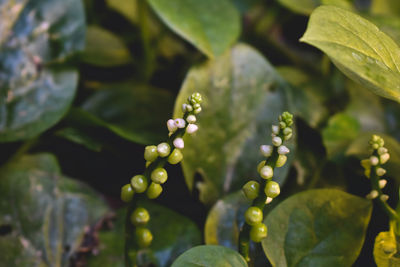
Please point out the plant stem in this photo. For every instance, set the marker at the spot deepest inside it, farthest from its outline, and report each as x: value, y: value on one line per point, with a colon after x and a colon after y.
x: 148, y: 60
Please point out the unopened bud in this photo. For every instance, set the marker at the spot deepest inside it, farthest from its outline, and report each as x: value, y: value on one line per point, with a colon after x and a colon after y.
x: 178, y: 143
x: 266, y: 150
x: 276, y: 141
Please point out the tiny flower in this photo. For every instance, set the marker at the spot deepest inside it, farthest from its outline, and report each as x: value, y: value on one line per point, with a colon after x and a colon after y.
x: 373, y: 194
x: 276, y: 141
x: 282, y: 125
x: 287, y: 131
x: 197, y: 110
x: 180, y: 123
x: 189, y: 108
x: 178, y: 143
x: 163, y: 149
x: 384, y: 158
x: 380, y: 171
x: 275, y: 129
x: 191, y: 119
x: 283, y: 150
x: 171, y: 125
x: 191, y: 128
x: 382, y: 150
x: 266, y: 172
x: 266, y: 150
x: 184, y: 107
x: 382, y: 183
x: 268, y: 200
x: 288, y: 136
x: 374, y: 160
x: 384, y: 197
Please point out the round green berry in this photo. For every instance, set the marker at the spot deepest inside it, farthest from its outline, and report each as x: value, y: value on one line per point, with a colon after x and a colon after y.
x: 154, y: 190
x: 159, y: 176
x: 140, y: 216
x: 253, y: 215
x: 150, y: 153
x: 139, y: 183
x: 127, y: 193
x: 251, y: 189
x: 260, y: 165
x: 163, y: 149
x: 143, y: 237
x: 272, y: 189
x: 258, y: 232
x: 175, y: 157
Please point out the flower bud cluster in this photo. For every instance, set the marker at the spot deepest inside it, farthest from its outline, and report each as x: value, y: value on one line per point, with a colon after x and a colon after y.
x: 156, y: 156
x: 373, y: 166
x: 275, y: 155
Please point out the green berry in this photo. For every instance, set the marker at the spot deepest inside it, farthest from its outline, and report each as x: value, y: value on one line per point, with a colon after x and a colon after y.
x: 150, y: 153
x: 154, y: 190
x: 251, y: 189
x: 159, y: 176
x: 287, y: 131
x: 175, y: 157
x: 267, y: 172
x: 143, y: 237
x: 163, y: 149
x: 281, y: 161
x: 258, y: 232
x: 127, y: 193
x: 260, y: 165
x: 253, y: 215
x: 140, y: 216
x: 272, y: 189
x: 139, y: 183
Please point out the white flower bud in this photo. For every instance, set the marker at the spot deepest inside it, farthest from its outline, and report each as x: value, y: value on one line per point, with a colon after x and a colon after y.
x: 283, y: 150
x: 191, y: 119
x: 180, y: 123
x: 171, y: 125
x: 184, y: 107
x: 178, y: 143
x: 382, y: 183
x: 380, y: 171
x: 288, y: 136
x: 382, y: 150
x: 384, y: 158
x: 275, y: 129
x: 163, y: 149
x: 191, y: 128
x: 189, y: 108
x: 373, y: 194
x: 276, y: 141
x: 268, y: 200
x: 266, y: 172
x: 197, y: 110
x: 266, y: 151
x: 374, y: 160
x: 384, y: 197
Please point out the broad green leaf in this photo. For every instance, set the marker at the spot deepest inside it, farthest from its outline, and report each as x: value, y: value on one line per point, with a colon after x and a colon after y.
x: 358, y: 48
x: 36, y: 89
x: 388, y: 24
x: 135, y: 112
x: 210, y: 256
x: 173, y: 234
x: 305, y: 7
x: 243, y: 96
x: 47, y: 213
x: 359, y: 147
x: 211, y: 26
x: 385, y: 250
x: 385, y: 7
x: 80, y: 137
x: 341, y: 130
x: 305, y: 95
x: 104, y: 49
x: 324, y: 227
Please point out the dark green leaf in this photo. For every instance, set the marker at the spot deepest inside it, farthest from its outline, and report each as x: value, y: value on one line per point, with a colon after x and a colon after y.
x: 46, y: 212
x: 210, y: 256
x: 211, y: 26
x: 323, y: 227
x: 128, y: 8
x: 35, y: 94
x: 80, y: 137
x: 173, y: 234
x: 135, y: 112
x: 104, y: 49
x: 358, y: 48
x: 243, y: 96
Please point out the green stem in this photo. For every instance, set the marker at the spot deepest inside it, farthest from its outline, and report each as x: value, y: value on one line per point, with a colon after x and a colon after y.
x: 25, y: 147
x: 148, y: 60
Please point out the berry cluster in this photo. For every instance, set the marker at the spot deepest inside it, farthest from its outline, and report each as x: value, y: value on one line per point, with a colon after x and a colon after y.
x: 275, y: 155
x: 150, y: 182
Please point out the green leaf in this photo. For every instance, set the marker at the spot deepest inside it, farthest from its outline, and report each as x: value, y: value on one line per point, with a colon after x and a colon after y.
x: 47, y: 213
x: 385, y: 250
x: 243, y: 96
x: 36, y: 88
x: 385, y: 7
x: 80, y: 137
x: 324, y: 227
x: 173, y: 234
x: 104, y: 49
x: 137, y: 113
x: 128, y: 8
x: 358, y: 48
x: 210, y: 256
x: 305, y: 7
x: 388, y: 24
x: 338, y: 134
x: 211, y: 26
